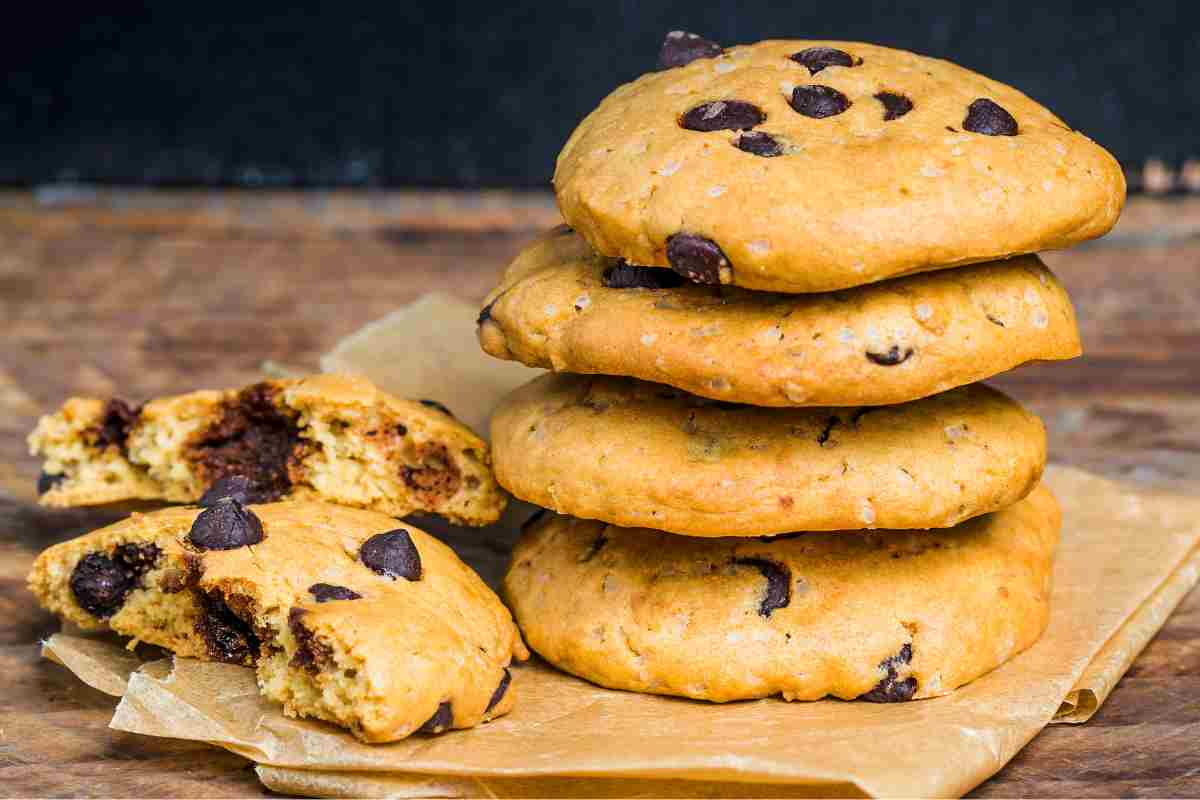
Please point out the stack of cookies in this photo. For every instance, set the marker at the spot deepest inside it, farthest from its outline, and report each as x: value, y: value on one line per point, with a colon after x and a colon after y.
x: 287, y: 556
x: 771, y: 468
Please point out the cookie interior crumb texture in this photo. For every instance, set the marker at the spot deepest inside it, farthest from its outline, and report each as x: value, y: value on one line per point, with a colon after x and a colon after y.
x: 332, y: 636
x: 323, y: 437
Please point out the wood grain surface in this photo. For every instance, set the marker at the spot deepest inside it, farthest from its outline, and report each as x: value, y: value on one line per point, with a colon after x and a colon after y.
x: 143, y: 293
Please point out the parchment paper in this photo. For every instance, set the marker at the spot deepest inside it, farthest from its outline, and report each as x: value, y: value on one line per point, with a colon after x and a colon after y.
x: 1127, y: 558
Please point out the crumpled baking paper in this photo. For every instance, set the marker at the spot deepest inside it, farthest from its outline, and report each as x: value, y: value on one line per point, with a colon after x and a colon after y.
x: 1128, y: 556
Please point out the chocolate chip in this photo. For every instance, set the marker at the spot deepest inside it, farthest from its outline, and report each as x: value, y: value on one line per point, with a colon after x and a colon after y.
x: 227, y: 525
x: 779, y: 584
x: 46, y: 481
x: 231, y: 487
x: 392, y: 554
x: 627, y: 276
x: 498, y: 695
x: 827, y: 431
x: 989, y: 118
x: 442, y: 720
x: 485, y: 313
x: 818, y: 102
x: 99, y: 584
x: 722, y: 115
x: 227, y: 637
x: 894, y: 105
x: 115, y: 421
x: 890, y: 689
x: 253, y: 437
x: 759, y: 143
x: 892, y: 357
x: 696, y: 258
x: 681, y: 47
x: 818, y: 58
x: 324, y: 592
x: 860, y: 413
x: 436, y: 405
x: 995, y: 321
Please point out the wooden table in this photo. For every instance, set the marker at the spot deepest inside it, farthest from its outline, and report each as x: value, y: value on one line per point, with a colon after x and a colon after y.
x: 142, y: 293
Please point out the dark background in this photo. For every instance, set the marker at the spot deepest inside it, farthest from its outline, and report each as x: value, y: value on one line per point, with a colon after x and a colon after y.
x: 484, y: 93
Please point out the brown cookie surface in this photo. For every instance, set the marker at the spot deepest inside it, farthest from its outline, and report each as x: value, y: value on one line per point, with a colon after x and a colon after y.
x: 563, y: 307
x: 645, y: 455
x: 885, y: 616
x: 880, y: 163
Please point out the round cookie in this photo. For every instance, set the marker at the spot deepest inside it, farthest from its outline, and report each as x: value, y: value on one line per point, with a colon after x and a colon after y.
x: 642, y: 454
x: 563, y: 307
x: 348, y: 615
x: 882, y: 616
x: 775, y: 167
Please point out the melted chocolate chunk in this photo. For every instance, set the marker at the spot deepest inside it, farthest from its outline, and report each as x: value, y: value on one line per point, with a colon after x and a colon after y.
x: 437, y: 478
x: 311, y: 655
x: 627, y: 276
x: 894, y: 105
x: 892, y: 357
x: 722, y: 115
x: 324, y: 592
x: 501, y: 689
x: 114, y: 425
x: 818, y: 58
x: 231, y: 487
x: 226, y: 525
x: 779, y: 584
x: 698, y: 259
x: 253, y: 437
x: 46, y: 481
x: 860, y: 413
x: 100, y: 583
x: 818, y: 102
x: 891, y: 689
x: 434, y: 404
x: 227, y: 637
x: 681, y: 47
x: 989, y: 118
x: 392, y: 554
x: 441, y: 721
x: 759, y: 143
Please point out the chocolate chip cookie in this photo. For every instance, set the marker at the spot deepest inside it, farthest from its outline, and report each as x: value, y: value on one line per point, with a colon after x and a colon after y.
x: 881, y: 616
x: 810, y: 166
x: 563, y: 307
x: 347, y: 617
x: 324, y: 437
x: 643, y: 454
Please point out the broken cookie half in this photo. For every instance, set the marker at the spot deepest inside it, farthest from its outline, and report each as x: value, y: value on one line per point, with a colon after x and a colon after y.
x: 347, y: 618
x: 324, y: 437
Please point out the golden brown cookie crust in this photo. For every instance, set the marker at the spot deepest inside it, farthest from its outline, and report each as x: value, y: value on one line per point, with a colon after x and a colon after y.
x: 734, y: 618
x: 645, y: 455
x: 380, y: 664
x: 324, y: 437
x: 553, y: 309
x: 854, y: 198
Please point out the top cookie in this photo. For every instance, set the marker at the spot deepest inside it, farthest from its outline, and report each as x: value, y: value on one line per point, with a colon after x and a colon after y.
x: 807, y: 166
